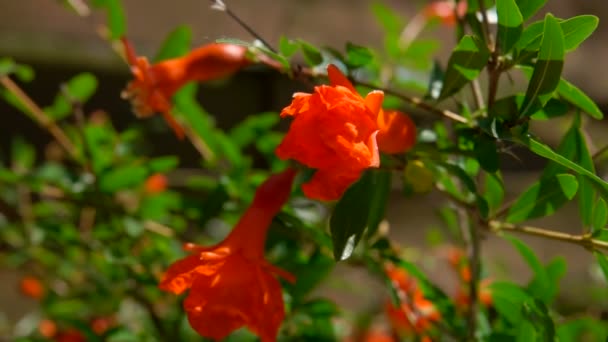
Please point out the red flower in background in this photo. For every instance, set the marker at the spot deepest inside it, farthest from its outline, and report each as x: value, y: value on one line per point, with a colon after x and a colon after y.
x: 154, y: 85
x: 32, y: 287
x: 156, y: 183
x: 416, y: 314
x: 334, y: 131
x: 397, y: 132
x: 231, y: 284
x: 447, y: 11
x: 457, y: 259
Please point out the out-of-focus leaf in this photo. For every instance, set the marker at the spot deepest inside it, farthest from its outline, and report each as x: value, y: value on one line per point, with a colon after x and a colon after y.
x: 548, y: 67
x: 468, y: 58
x: 600, y: 215
x: 387, y: 18
x: 541, y: 281
x: 312, y: 55
x: 582, y: 329
x: 508, y: 299
x: 119, y: 178
x: 23, y: 155
x: 602, y: 260
x: 357, y: 56
x: 288, y: 47
x: 536, y: 313
x: 79, y: 88
x: 163, y: 164
x: 176, y: 44
x: 510, y: 24
x: 494, y: 191
x: 543, y: 198
x: 250, y: 129
x: 115, y: 15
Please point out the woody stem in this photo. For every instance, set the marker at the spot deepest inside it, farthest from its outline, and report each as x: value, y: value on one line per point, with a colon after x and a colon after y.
x: 40, y: 116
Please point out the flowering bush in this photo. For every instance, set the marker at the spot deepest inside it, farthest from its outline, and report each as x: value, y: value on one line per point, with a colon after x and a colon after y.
x: 108, y: 237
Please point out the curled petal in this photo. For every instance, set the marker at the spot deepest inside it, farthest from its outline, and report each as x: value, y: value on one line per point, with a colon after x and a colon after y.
x: 337, y: 78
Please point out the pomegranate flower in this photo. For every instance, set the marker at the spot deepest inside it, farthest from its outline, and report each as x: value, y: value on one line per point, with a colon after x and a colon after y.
x: 334, y: 131
x: 397, y: 132
x: 446, y: 10
x: 416, y: 314
x: 231, y: 284
x: 154, y: 85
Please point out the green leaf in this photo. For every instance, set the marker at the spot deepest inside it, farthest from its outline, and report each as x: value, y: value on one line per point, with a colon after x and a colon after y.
x: 357, y: 56
x: 583, y: 329
x: 529, y: 7
x: 350, y: 216
x: 116, y: 17
x: 574, y: 148
x: 546, y: 152
x: 387, y: 18
x: 578, y: 98
x: 577, y: 30
x: 600, y: 215
x: 508, y: 299
x: 494, y: 191
x: 123, y: 177
x: 23, y: 155
x: 193, y: 115
x: 381, y: 188
x: 541, y: 281
x: 176, y: 44
x: 486, y: 153
x: 312, y: 55
x: 510, y: 24
x: 548, y: 67
x: 537, y: 313
x: 253, y: 127
x: 163, y: 164
x: 602, y: 260
x: 543, y: 198
x: 466, y: 62
x: 288, y: 47
x: 79, y: 88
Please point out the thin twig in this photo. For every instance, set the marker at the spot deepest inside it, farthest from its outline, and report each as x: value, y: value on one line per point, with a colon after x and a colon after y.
x: 40, y: 116
x: 599, y: 153
x: 584, y: 241
x: 221, y: 6
x: 485, y: 27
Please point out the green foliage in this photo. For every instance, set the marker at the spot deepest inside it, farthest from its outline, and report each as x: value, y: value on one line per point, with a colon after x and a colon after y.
x: 466, y: 62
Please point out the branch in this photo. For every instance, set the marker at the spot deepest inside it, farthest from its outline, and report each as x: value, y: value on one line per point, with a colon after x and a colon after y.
x: 584, y: 241
x: 40, y: 116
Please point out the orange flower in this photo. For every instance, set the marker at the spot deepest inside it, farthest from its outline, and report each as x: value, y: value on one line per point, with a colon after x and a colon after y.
x: 446, y: 11
x: 463, y: 300
x: 397, y: 132
x: 47, y: 328
x: 32, y: 287
x: 100, y: 325
x: 231, y: 284
x: 334, y: 131
x: 416, y: 314
x: 155, y: 183
x: 151, y: 90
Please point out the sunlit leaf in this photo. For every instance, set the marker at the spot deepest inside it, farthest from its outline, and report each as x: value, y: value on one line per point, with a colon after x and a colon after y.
x: 466, y: 62
x: 548, y: 67
x: 510, y: 24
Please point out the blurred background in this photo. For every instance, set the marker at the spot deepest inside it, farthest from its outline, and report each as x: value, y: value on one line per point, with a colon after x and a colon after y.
x: 59, y: 43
